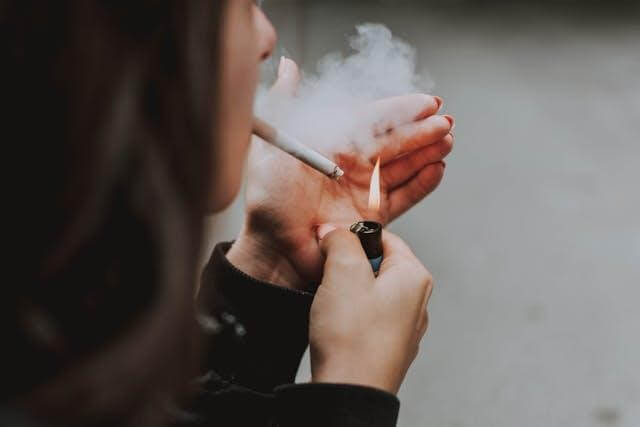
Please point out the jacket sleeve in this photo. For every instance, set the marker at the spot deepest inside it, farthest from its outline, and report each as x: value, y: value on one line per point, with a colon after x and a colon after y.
x: 257, y: 333
x: 261, y: 330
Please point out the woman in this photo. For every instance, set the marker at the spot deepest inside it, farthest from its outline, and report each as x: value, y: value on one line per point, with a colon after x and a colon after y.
x: 131, y: 122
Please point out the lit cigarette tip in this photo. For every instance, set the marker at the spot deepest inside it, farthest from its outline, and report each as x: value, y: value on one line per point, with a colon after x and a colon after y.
x: 296, y: 149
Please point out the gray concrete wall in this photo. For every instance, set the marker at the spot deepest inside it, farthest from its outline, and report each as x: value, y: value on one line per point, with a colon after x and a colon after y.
x: 534, y: 237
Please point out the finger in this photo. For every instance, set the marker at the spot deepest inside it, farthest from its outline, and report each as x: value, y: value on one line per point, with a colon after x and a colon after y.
x: 416, y: 189
x: 400, y: 261
x: 391, y: 112
x: 288, y: 78
x: 413, y: 136
x: 397, y: 254
x: 345, y: 258
x: 400, y: 170
x: 424, y: 324
x: 323, y: 230
x: 423, y: 320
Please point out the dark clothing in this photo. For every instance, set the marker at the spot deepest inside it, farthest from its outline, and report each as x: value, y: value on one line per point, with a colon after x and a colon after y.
x: 257, y: 333
x: 261, y: 336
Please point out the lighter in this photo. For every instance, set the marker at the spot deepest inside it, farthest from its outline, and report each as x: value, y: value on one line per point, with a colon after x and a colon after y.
x: 370, y: 235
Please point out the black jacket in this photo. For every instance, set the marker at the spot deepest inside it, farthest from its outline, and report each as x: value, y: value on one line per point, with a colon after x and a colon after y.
x: 259, y: 333
x: 256, y: 334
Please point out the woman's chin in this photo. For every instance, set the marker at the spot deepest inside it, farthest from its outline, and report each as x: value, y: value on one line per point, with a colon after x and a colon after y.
x: 223, y: 197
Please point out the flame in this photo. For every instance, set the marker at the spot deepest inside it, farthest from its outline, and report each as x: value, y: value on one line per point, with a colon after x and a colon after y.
x: 374, y: 190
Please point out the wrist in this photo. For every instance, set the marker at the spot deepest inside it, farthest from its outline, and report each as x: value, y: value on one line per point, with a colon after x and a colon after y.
x: 356, y: 373
x: 254, y: 256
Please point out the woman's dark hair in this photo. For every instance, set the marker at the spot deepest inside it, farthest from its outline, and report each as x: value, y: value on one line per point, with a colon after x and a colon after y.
x: 108, y: 132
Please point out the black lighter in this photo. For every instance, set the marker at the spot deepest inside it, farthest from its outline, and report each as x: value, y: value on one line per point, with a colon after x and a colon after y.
x: 370, y: 235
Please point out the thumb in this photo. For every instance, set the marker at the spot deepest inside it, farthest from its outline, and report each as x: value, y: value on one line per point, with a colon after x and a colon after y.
x: 345, y: 258
x: 288, y: 78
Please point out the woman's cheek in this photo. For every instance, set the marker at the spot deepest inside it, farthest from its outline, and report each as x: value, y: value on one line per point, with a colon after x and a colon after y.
x: 240, y: 70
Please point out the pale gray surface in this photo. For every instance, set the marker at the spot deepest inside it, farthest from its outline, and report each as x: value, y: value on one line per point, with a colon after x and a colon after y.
x: 534, y: 237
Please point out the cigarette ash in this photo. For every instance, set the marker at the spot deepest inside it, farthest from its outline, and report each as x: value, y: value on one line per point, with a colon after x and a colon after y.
x: 327, y: 109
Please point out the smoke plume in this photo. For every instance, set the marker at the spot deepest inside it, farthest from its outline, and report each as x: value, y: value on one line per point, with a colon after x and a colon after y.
x: 327, y: 109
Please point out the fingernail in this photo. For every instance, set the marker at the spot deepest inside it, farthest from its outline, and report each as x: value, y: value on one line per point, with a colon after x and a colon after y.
x: 284, y: 67
x: 439, y: 101
x: 323, y: 230
x: 451, y: 120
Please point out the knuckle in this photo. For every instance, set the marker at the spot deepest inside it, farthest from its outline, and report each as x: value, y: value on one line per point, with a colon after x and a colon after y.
x: 446, y: 147
x: 441, y: 124
x: 451, y: 139
x: 339, y: 239
x: 425, y: 105
x: 426, y: 100
x: 428, y: 181
x: 421, y: 271
x: 426, y: 279
x: 419, y: 284
x: 429, y: 284
x: 348, y: 262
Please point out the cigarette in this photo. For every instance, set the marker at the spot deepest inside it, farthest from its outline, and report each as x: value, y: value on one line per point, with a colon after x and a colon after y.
x: 296, y: 148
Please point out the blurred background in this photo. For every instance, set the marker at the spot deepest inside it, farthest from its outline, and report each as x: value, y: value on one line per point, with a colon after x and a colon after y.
x: 534, y: 236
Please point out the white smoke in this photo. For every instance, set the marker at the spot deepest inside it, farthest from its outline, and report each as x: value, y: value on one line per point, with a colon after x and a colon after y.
x: 326, y: 110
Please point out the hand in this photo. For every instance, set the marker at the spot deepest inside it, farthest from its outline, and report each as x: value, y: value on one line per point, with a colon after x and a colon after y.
x: 366, y: 330
x: 287, y: 200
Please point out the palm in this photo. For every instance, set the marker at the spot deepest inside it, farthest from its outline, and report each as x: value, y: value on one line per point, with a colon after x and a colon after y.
x: 298, y: 195
x: 287, y: 200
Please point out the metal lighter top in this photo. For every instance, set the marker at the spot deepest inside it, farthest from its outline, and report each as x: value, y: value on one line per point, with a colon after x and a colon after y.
x: 370, y: 235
